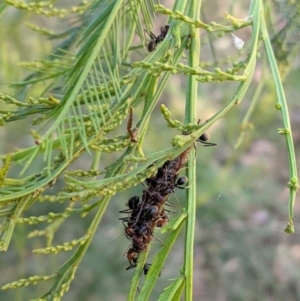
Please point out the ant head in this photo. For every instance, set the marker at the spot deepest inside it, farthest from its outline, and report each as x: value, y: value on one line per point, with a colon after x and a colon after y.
x: 133, y: 202
x: 203, y: 139
x: 182, y: 180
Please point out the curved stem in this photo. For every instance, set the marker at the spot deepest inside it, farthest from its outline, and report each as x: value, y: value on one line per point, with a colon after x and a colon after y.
x: 282, y: 105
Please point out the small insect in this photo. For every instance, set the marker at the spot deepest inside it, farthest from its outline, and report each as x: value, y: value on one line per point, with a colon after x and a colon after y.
x: 157, y: 39
x: 237, y: 42
x: 132, y: 133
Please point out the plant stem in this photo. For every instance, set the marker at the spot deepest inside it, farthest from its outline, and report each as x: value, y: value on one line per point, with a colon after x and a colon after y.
x: 74, y: 261
x: 190, y: 116
x: 286, y: 121
x: 245, y: 122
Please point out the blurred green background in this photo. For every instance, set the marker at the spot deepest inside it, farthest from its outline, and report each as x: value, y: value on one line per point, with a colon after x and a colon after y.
x: 241, y: 250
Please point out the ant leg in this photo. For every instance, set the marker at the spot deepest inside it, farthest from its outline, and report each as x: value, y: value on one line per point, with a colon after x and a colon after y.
x: 169, y: 203
x: 208, y: 143
x: 126, y: 211
x: 177, y: 200
x: 162, y: 243
x: 151, y: 34
x: 141, y: 209
x: 132, y: 265
x: 168, y: 211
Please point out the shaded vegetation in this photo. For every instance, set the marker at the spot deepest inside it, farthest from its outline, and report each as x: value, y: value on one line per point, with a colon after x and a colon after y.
x: 69, y: 165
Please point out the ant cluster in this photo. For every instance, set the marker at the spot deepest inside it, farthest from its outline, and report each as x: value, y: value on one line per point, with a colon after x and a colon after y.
x: 157, y: 39
x: 148, y: 212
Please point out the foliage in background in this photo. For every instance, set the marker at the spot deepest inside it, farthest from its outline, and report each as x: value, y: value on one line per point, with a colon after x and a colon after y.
x: 78, y: 97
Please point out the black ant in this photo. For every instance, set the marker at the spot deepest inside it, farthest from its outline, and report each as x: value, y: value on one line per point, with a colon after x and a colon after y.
x: 150, y: 211
x: 157, y: 39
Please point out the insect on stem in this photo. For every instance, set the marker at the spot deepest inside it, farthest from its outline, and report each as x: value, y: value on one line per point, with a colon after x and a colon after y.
x: 132, y: 133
